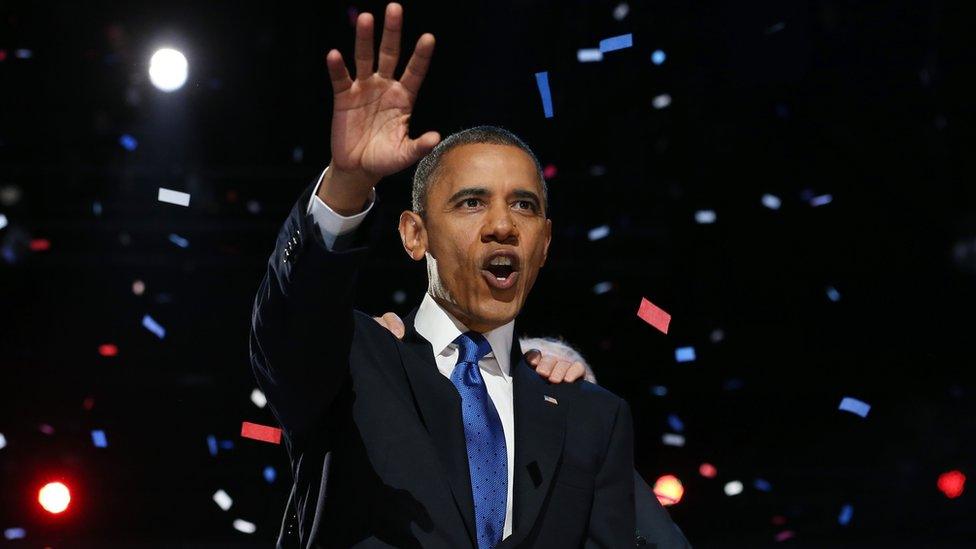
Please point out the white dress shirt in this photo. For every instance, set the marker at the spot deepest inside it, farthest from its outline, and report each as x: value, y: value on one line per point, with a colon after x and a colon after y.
x: 440, y: 328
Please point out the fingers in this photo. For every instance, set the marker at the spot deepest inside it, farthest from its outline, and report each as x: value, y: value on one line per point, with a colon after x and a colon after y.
x: 545, y: 365
x: 337, y: 72
x: 574, y: 372
x: 532, y: 356
x: 390, y: 45
x: 364, y: 46
x: 394, y: 324
x: 413, y: 75
x: 422, y: 145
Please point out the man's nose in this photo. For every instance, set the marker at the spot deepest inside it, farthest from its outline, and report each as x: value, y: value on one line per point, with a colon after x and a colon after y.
x: 500, y: 226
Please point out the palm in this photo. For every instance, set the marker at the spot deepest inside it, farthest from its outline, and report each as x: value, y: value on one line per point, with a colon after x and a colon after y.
x: 370, y: 122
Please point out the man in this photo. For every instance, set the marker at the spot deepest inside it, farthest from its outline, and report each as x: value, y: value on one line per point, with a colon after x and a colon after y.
x: 446, y: 438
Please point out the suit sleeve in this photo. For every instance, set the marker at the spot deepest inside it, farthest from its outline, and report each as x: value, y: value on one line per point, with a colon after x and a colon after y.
x: 302, y: 321
x: 612, y: 520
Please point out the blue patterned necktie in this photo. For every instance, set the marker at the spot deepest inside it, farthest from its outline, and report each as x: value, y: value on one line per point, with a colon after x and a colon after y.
x: 487, y: 457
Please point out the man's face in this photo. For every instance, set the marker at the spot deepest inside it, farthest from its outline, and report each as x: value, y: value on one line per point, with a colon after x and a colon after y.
x: 487, y: 233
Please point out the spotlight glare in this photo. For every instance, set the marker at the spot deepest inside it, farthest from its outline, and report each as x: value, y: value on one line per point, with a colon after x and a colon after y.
x: 168, y: 69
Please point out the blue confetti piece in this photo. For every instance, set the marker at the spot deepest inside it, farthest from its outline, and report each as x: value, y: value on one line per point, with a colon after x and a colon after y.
x: 97, y: 208
x: 98, y: 438
x: 128, y: 142
x: 658, y: 57
x: 762, y: 485
x: 598, y: 232
x: 684, y: 354
x: 615, y: 43
x: 705, y: 217
x: 659, y: 390
x: 153, y: 326
x: 589, y: 55
x: 854, y: 406
x: 846, y: 512
x: 675, y: 423
x: 542, y: 81
x: 833, y: 294
x: 179, y: 241
x: 771, y: 201
x: 226, y: 444
x: 269, y: 474
x: 602, y: 287
x: 212, y: 444
x: 821, y: 200
x: 15, y: 533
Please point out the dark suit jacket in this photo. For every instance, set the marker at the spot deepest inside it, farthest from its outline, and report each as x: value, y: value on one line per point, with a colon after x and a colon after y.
x: 374, y: 432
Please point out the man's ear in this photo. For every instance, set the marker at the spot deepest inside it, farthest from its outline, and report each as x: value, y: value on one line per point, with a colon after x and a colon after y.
x: 545, y: 251
x: 413, y: 235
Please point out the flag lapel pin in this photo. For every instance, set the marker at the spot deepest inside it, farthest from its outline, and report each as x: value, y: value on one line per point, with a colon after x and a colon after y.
x: 550, y: 400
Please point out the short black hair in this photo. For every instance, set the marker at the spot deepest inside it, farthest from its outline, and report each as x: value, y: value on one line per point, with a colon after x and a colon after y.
x: 428, y: 165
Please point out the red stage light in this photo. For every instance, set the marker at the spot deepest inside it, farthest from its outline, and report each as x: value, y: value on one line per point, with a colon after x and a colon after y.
x: 54, y: 497
x: 952, y: 483
x: 668, y: 490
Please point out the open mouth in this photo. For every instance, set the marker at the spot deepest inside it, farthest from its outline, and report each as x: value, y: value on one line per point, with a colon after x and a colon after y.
x: 501, y: 270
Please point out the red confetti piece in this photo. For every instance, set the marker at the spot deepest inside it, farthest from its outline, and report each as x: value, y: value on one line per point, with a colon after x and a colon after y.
x: 952, y: 483
x: 549, y: 172
x: 654, y: 315
x: 707, y: 470
x: 40, y: 245
x: 785, y: 535
x: 261, y: 432
x: 3, y: 55
x: 108, y: 349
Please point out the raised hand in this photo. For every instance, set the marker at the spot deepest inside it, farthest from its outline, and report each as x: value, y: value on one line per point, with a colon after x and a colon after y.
x: 371, y: 115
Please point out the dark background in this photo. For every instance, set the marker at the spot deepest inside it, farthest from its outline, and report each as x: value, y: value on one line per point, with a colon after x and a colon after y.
x: 870, y: 102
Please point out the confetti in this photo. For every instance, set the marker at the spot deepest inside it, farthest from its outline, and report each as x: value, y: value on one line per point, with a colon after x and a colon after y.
x: 258, y: 398
x: 672, y: 439
x: 952, y: 483
x: 821, y: 200
x: 833, y: 294
x: 261, y: 432
x: 3, y: 221
x: 705, y: 217
x: 589, y: 55
x: 244, y: 526
x: 153, y: 326
x: 707, y: 470
x: 40, y: 245
x: 654, y: 315
x: 108, y: 349
x: 97, y: 208
x: 128, y: 142
x: 542, y: 81
x: 14, y: 533
x: 733, y: 488
x: 615, y: 43
x: 549, y: 171
x: 661, y: 101
x: 658, y: 57
x: 138, y: 287
x: 226, y: 444
x: 3, y: 441
x: 598, y: 232
x: 762, y: 485
x: 173, y: 197
x: 222, y: 500
x: 602, y: 287
x: 675, y: 423
x: 212, y: 445
x: 785, y: 535
x: 98, y: 439
x: 620, y: 12
x: 179, y: 241
x: 771, y: 201
x: 684, y: 354
x: 659, y: 390
x: 854, y: 406
x: 717, y: 335
x: 846, y: 512
x: 46, y: 429
x: 269, y: 474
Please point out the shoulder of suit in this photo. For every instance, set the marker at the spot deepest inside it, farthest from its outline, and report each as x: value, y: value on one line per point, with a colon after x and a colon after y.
x: 590, y: 395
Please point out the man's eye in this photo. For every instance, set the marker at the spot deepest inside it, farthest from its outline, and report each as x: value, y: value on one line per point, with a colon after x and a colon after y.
x: 526, y: 204
x: 471, y: 203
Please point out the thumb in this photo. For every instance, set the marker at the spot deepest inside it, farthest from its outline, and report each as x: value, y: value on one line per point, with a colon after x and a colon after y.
x: 424, y: 144
x: 533, y: 356
x: 395, y: 324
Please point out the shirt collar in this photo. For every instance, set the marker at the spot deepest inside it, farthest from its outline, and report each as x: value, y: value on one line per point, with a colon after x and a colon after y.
x: 440, y: 328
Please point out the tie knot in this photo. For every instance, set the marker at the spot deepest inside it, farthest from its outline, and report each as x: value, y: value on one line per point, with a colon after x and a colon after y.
x: 472, y: 347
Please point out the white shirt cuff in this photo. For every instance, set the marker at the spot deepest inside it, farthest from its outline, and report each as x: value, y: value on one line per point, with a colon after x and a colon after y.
x: 330, y: 223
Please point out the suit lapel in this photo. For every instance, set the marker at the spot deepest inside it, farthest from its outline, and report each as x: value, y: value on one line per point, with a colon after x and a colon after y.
x: 440, y: 408
x: 539, y: 431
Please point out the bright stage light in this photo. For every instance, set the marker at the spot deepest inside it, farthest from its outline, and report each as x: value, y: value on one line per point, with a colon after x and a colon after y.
x: 167, y: 69
x: 668, y: 490
x: 54, y: 497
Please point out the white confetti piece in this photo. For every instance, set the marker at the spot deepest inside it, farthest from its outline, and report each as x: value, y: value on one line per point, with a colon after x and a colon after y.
x: 258, y: 398
x: 733, y: 488
x: 661, y: 101
x: 589, y: 55
x: 174, y: 197
x: 673, y: 439
x: 242, y: 525
x: 222, y: 500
